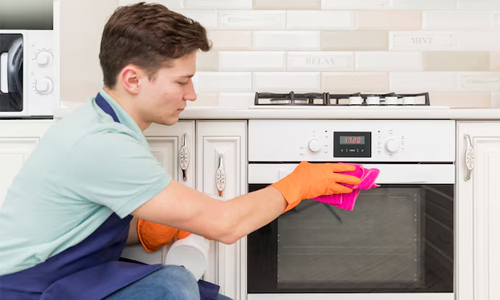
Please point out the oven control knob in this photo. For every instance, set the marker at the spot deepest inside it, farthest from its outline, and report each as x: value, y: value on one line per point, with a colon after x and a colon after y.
x: 44, y: 86
x: 314, y: 145
x: 392, y: 145
x: 44, y: 58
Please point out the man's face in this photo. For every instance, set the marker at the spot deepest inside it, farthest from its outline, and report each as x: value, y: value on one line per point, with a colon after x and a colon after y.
x: 165, y: 96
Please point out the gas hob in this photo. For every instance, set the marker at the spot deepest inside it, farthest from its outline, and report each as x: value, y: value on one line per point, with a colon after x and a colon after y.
x: 323, y: 100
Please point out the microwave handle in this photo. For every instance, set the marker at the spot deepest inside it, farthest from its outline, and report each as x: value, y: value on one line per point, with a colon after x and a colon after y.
x: 469, y: 157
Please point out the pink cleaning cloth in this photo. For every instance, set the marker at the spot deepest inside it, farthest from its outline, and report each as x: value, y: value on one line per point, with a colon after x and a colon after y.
x: 347, y: 201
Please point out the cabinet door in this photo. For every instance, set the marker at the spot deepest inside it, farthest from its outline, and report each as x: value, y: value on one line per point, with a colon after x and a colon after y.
x: 165, y: 143
x: 221, y: 148
x: 478, y: 211
x: 17, y: 140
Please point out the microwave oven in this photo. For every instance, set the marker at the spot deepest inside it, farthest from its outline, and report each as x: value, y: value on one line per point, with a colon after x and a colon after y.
x: 28, y: 87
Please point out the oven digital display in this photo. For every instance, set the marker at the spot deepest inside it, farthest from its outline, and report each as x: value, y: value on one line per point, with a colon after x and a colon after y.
x: 352, y: 144
x: 352, y: 140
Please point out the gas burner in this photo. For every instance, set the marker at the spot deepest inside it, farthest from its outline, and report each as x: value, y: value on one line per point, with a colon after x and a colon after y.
x: 327, y: 99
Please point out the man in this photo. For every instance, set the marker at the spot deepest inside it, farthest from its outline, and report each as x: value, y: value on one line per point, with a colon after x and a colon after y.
x: 67, y: 215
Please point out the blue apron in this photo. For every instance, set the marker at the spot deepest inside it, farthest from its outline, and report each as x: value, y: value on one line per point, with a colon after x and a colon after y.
x: 86, y: 271
x: 89, y: 270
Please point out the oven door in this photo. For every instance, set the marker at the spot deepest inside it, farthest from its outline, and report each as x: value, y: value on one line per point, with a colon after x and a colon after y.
x: 397, y: 240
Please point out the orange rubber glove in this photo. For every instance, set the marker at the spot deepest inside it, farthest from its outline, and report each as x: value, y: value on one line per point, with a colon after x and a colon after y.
x: 308, y: 181
x: 153, y: 236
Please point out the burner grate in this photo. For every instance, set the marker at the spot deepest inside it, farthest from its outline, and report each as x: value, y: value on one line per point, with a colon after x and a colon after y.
x: 356, y: 99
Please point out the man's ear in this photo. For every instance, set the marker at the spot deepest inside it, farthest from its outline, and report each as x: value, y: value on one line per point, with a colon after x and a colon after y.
x: 130, y: 78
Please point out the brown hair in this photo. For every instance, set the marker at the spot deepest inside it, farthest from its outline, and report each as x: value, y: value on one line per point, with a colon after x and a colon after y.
x: 148, y: 36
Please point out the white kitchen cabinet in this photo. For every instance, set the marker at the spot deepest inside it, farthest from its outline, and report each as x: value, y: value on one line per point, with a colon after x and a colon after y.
x: 18, y: 138
x: 221, y: 149
x: 165, y: 143
x: 478, y: 211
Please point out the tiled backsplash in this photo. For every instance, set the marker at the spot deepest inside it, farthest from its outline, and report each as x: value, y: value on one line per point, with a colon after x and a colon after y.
x: 450, y: 48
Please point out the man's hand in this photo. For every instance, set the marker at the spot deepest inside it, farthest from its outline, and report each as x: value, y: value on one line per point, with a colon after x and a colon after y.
x: 153, y: 236
x: 308, y: 181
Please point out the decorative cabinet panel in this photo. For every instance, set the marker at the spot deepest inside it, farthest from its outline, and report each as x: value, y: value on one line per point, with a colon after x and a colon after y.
x: 221, y: 163
x: 174, y: 147
x: 17, y: 140
x: 478, y: 211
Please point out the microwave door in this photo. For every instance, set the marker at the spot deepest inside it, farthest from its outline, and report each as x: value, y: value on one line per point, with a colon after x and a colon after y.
x: 11, y: 72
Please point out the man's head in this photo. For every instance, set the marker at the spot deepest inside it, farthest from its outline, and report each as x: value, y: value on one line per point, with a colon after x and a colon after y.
x: 148, y: 56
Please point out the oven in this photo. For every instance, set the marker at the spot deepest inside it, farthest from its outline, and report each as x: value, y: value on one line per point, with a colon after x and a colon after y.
x: 397, y: 243
x: 28, y: 87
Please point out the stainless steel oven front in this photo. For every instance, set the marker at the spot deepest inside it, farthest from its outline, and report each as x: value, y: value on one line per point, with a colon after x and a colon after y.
x: 397, y: 243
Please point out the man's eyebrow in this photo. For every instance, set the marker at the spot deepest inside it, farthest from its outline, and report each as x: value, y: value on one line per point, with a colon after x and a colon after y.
x: 186, y: 76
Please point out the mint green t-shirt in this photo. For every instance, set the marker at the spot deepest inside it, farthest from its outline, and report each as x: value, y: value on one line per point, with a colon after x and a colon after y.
x: 85, y: 168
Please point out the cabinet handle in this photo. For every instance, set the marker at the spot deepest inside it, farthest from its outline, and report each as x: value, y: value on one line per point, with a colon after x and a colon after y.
x: 469, y: 157
x: 184, y: 157
x: 220, y: 176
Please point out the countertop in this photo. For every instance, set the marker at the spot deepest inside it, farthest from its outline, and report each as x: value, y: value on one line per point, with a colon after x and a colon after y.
x: 429, y: 112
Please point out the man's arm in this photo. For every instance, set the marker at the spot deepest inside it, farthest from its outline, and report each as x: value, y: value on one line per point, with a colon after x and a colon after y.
x: 132, y: 238
x: 226, y: 221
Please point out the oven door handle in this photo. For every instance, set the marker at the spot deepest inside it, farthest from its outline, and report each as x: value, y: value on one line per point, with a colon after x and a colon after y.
x: 389, y: 173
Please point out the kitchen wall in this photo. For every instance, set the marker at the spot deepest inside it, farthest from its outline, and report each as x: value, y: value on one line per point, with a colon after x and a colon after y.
x: 450, y: 48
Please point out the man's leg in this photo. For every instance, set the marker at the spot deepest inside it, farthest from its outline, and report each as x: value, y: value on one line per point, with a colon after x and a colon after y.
x: 169, y: 283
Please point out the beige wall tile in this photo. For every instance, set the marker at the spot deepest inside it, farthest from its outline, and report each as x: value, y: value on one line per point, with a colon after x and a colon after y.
x: 354, y: 82
x: 230, y: 40
x: 456, y: 61
x: 461, y: 99
x: 205, y: 99
x: 495, y: 61
x: 354, y: 40
x: 388, y: 20
x: 207, y: 61
x: 286, y: 4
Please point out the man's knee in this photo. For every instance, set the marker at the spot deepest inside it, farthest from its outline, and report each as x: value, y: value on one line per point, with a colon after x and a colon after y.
x: 178, y: 283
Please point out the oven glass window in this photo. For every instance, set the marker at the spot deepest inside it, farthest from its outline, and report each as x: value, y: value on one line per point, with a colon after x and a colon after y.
x: 398, y: 238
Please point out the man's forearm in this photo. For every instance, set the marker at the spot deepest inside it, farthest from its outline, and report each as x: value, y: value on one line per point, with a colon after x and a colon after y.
x: 132, y: 238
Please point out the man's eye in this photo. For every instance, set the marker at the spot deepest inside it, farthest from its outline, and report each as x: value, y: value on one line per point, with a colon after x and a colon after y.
x: 182, y: 83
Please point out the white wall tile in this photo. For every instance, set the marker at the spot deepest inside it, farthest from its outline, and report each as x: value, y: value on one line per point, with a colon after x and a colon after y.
x: 319, y: 20
x: 252, y: 20
x: 479, y: 81
x: 423, y: 4
x: 388, y: 61
x: 230, y: 40
x: 445, y: 41
x: 171, y: 4
x: 207, y: 18
x: 423, y: 81
x: 478, y: 4
x: 224, y: 82
x: 459, y: 20
x: 236, y: 99
x: 423, y: 40
x: 219, y: 4
x: 355, y: 4
x: 495, y: 99
x: 286, y: 40
x: 286, y: 82
x: 479, y: 40
x: 320, y: 61
x: 252, y: 61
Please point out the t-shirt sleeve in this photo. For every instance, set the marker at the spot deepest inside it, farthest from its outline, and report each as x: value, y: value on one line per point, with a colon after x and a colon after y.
x: 115, y: 170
